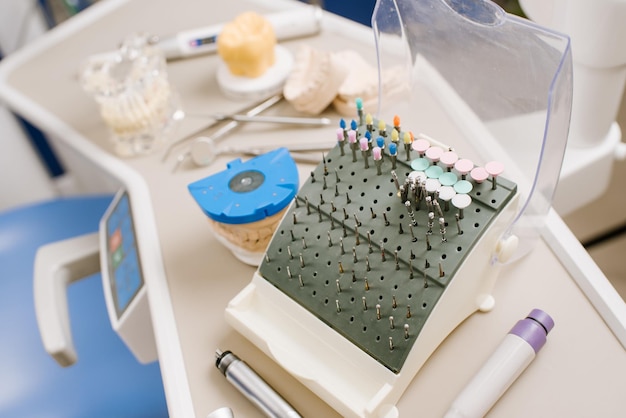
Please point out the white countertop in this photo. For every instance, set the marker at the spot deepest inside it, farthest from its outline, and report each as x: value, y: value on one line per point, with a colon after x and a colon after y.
x: 191, y: 277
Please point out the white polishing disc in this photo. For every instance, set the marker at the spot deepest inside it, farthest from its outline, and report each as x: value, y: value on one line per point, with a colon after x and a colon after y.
x: 461, y: 201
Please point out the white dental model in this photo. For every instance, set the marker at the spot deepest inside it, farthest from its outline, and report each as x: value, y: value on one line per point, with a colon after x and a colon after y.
x: 320, y: 78
x: 136, y: 100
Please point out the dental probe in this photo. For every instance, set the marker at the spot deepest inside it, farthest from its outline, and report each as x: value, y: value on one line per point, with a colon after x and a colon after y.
x: 224, y: 130
x: 287, y: 120
x: 209, y: 153
x: 289, y: 24
x: 253, y: 387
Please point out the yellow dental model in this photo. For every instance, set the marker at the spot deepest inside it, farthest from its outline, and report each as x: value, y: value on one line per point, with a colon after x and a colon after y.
x: 253, y: 64
x: 247, y: 45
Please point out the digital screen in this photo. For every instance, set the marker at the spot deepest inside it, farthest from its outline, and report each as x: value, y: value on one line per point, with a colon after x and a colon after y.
x: 124, y: 267
x: 203, y: 41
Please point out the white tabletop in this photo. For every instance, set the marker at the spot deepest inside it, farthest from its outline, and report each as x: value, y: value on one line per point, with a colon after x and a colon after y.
x: 191, y: 277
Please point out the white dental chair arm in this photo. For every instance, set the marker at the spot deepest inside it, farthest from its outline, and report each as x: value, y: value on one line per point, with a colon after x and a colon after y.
x: 57, y: 265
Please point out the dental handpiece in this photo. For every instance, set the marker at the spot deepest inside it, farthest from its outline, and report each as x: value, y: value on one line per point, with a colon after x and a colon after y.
x: 288, y: 24
x: 516, y: 351
x: 253, y: 387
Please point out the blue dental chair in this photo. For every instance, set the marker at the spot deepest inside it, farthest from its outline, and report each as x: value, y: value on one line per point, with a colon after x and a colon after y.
x: 107, y: 380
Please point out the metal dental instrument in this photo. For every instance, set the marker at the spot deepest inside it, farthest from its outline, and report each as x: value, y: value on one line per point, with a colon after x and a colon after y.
x: 253, y: 387
x: 226, y: 129
x: 266, y: 119
x: 206, y: 154
x: 257, y: 108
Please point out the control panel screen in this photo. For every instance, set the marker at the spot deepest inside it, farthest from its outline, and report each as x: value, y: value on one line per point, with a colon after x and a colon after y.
x: 124, y: 267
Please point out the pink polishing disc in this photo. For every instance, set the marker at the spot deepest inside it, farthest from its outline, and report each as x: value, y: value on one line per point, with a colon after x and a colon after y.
x: 494, y: 168
x: 434, y: 153
x: 464, y: 166
x: 420, y: 145
x: 449, y: 158
x: 479, y: 174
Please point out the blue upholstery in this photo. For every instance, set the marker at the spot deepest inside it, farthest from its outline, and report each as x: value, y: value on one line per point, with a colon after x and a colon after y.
x: 359, y: 11
x: 106, y: 381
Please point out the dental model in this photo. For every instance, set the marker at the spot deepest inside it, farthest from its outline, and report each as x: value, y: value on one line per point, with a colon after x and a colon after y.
x: 247, y: 45
x: 136, y: 100
x: 321, y: 78
x: 129, y: 113
x: 246, y: 202
x: 314, y: 80
x: 253, y: 65
x: 362, y: 82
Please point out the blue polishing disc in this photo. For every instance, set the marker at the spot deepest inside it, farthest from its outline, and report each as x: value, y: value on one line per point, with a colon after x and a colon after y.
x: 248, y: 191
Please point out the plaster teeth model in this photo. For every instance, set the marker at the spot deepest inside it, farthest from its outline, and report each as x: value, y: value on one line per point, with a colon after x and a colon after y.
x: 362, y: 82
x: 314, y: 80
x: 320, y: 78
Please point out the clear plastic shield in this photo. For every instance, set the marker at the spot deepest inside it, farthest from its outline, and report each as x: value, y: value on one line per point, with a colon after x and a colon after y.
x: 488, y: 84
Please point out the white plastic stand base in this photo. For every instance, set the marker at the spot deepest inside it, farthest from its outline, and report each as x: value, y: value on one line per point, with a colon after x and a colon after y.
x: 344, y: 376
